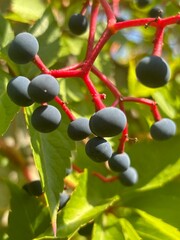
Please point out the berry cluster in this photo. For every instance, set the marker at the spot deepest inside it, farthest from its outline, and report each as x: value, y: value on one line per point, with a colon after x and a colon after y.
x: 107, y: 121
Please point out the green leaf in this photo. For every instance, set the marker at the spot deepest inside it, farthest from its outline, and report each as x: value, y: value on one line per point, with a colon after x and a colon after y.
x: 155, y: 159
x: 128, y: 230
x: 150, y: 227
x: 8, y: 109
x: 107, y: 227
x: 48, y: 238
x: 48, y: 35
x: 165, y: 176
x: 28, y: 216
x: 6, y: 33
x: 160, y: 202
x: 52, y: 156
x: 28, y: 10
x: 86, y: 203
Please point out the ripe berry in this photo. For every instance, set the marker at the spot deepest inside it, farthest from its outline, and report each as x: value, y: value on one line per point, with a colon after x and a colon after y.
x: 108, y: 122
x: 143, y: 3
x: 79, y: 129
x: 98, y: 149
x: 119, y: 162
x: 129, y: 177
x: 23, y: 48
x: 64, y: 198
x: 78, y: 24
x: 43, y: 88
x: 46, y: 118
x: 33, y: 188
x: 153, y: 71
x: 163, y: 129
x: 156, y: 12
x: 17, y: 90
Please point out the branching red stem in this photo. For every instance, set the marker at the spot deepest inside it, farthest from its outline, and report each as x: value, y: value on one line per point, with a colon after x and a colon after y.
x: 111, y: 19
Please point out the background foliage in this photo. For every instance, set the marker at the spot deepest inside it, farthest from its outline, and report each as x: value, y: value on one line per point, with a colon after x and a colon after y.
x: 150, y: 209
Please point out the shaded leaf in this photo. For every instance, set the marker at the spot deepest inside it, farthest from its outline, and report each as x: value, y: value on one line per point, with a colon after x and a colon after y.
x: 28, y: 217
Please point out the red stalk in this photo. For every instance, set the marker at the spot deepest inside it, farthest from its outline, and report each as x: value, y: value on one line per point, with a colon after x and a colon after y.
x: 65, y: 108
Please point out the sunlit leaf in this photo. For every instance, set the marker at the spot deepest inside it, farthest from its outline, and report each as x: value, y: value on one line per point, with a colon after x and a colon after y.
x: 52, y: 157
x: 85, y: 204
x: 128, y: 230
x: 107, y: 227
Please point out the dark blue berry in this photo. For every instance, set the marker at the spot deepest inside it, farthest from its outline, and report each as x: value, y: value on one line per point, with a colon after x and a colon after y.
x: 23, y: 48
x: 17, y: 90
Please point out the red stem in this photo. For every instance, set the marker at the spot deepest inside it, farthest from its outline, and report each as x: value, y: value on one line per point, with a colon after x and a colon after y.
x: 152, y: 104
x: 89, y: 62
x: 59, y: 73
x: 97, y: 99
x: 84, y: 8
x: 99, y: 175
x: 115, y: 7
x: 39, y: 63
x: 158, y: 41
x: 92, y: 28
x: 77, y: 169
x: 163, y: 22
x: 107, y: 82
x: 72, y: 67
x: 111, y: 19
x: 105, y: 179
x: 65, y: 108
x: 123, y: 140
x: 155, y: 112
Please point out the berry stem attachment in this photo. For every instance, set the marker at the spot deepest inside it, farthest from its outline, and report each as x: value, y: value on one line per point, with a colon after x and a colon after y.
x: 97, y: 99
x: 65, y: 108
x: 152, y: 104
x: 155, y: 112
x: 123, y: 140
x: 39, y: 63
